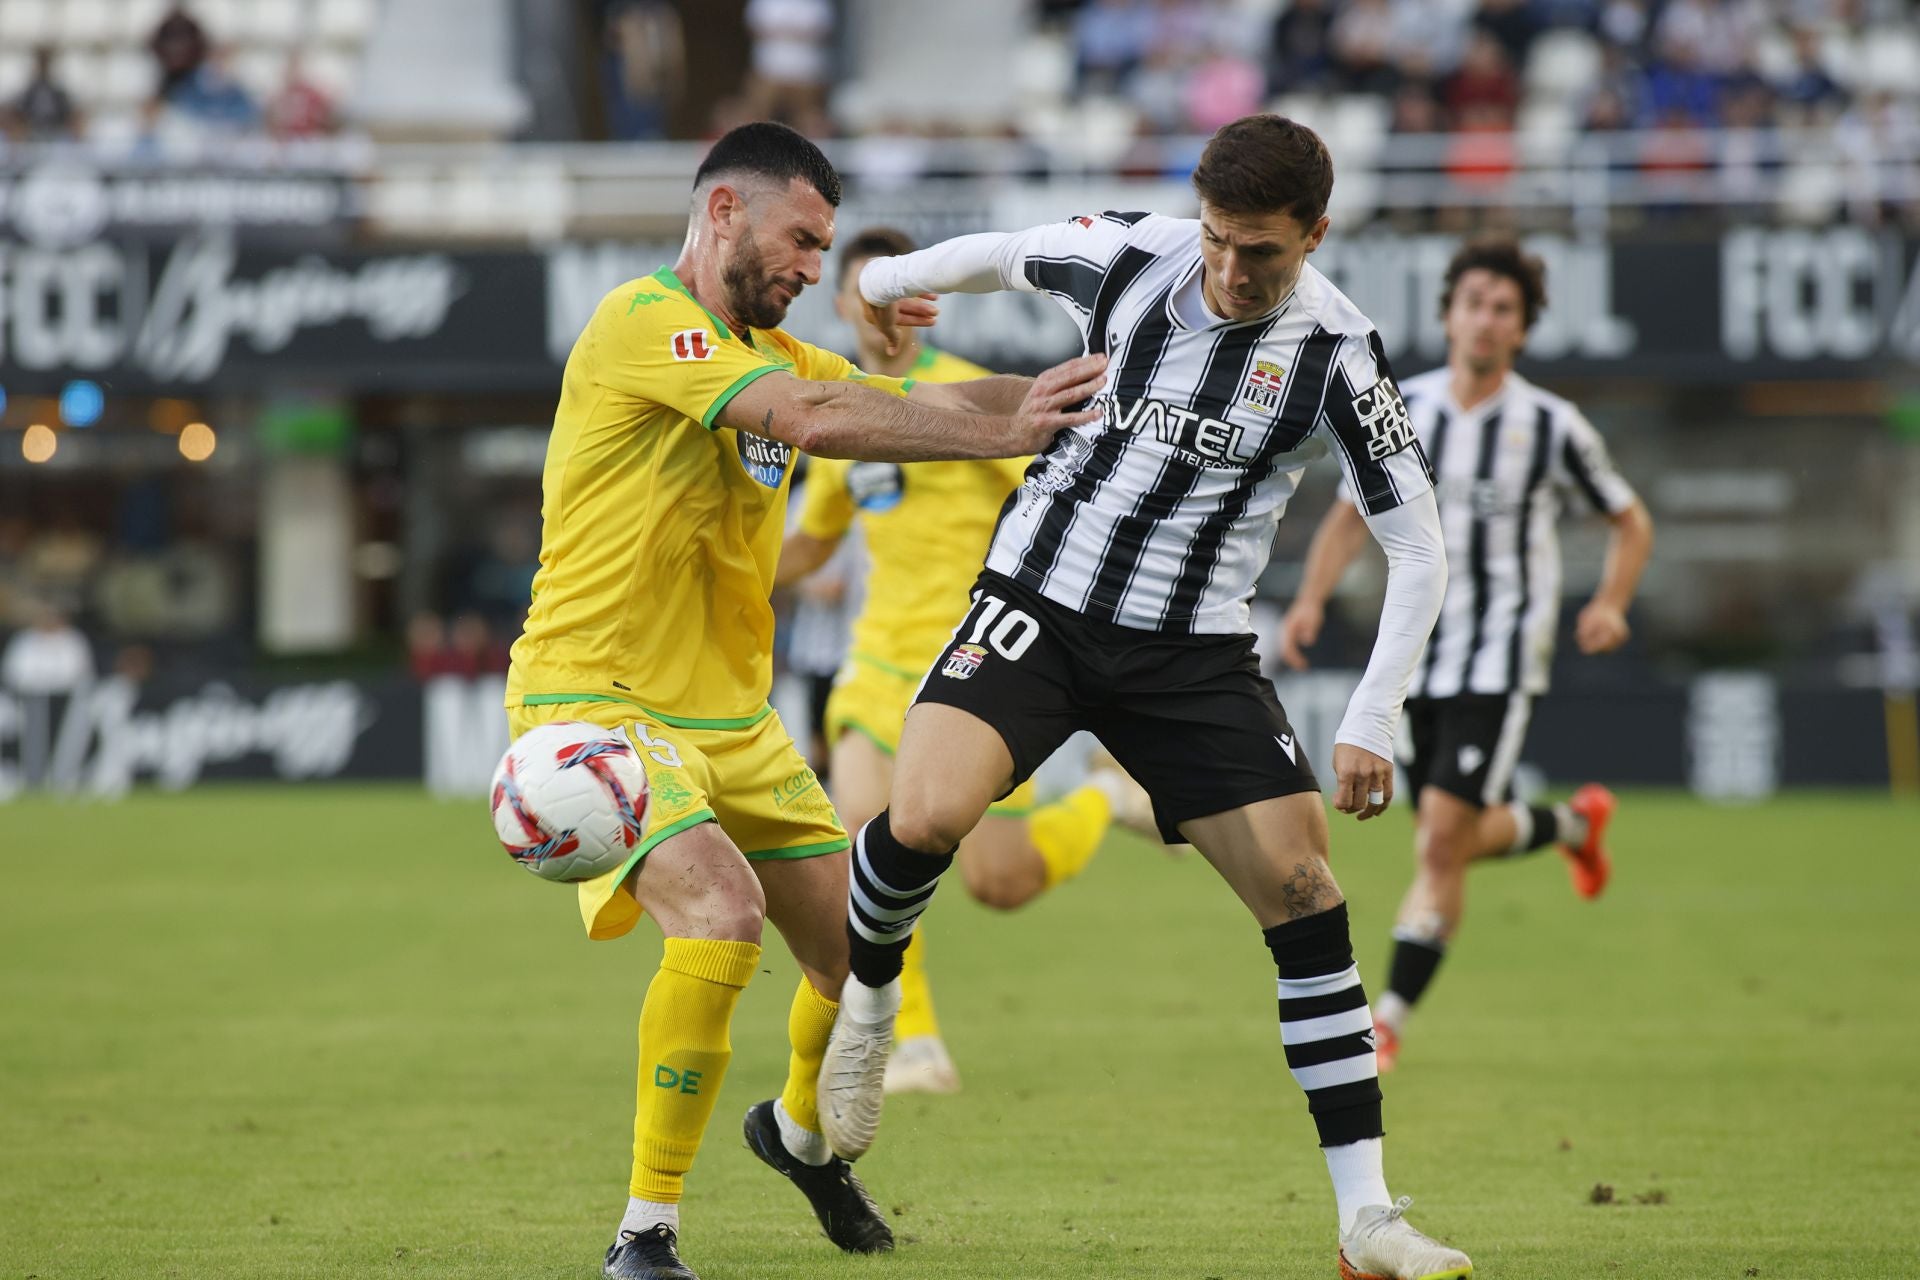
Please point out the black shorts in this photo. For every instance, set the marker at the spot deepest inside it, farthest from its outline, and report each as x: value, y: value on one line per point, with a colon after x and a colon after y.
x: 1190, y: 717
x: 1468, y: 745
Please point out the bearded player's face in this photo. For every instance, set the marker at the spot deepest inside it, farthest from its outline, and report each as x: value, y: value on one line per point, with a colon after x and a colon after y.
x: 777, y: 253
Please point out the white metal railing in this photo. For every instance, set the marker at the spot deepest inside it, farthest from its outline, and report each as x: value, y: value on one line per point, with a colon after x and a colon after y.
x: 543, y: 191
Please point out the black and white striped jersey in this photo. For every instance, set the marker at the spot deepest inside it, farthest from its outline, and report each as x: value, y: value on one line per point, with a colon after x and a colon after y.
x: 1502, y: 470
x: 1161, y: 514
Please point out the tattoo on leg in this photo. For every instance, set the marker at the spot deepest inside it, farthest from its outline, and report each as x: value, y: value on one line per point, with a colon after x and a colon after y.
x: 1309, y: 891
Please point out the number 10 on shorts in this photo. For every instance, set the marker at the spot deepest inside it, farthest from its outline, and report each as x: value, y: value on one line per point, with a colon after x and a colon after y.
x: 1010, y: 632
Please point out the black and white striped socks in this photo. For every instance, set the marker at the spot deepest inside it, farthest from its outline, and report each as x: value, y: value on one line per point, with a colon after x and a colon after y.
x: 890, y: 886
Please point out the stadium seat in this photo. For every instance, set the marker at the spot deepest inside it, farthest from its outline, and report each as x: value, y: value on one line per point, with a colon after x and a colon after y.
x: 1043, y: 69
x: 1356, y: 124
x: 1890, y: 60
x: 343, y: 21
x: 78, y: 68
x: 128, y: 77
x: 140, y: 17
x: 16, y: 68
x: 333, y: 72
x: 221, y: 19
x: 261, y: 71
x: 26, y: 22
x: 1546, y: 127
x: 1810, y: 192
x: 1564, y: 65
x: 1308, y: 109
x: 87, y: 22
x: 272, y: 22
x: 1107, y: 128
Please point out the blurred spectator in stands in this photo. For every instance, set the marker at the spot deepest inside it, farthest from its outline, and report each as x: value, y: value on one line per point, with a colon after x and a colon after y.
x: 48, y: 657
x: 179, y: 45
x: 1746, y: 161
x: 213, y: 99
x: 792, y: 61
x: 44, y: 111
x: 1429, y: 40
x: 1715, y: 35
x: 1874, y: 129
x: 1481, y: 149
x: 1623, y: 23
x: 1299, y: 53
x: 1363, y: 51
x: 426, y: 644
x: 467, y: 648
x: 302, y: 109
x: 1485, y: 86
x: 1416, y: 110
x: 1158, y: 88
x: 1226, y: 85
x: 1808, y: 91
x: 1110, y: 38
x: 643, y: 68
x: 1614, y: 101
x: 1514, y: 23
x: 1678, y: 90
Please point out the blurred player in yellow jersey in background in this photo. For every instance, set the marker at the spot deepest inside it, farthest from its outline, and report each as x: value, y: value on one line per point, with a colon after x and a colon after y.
x: 927, y: 525
x: 664, y: 498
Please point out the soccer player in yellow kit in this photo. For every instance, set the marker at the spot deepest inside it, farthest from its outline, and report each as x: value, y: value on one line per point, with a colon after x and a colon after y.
x: 927, y: 525
x: 664, y: 502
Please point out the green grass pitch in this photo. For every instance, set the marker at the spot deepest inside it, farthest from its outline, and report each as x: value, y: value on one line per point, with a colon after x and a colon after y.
x: 332, y: 1032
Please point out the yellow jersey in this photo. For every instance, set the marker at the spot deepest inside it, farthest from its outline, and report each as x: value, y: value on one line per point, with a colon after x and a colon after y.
x: 661, y: 530
x: 927, y: 525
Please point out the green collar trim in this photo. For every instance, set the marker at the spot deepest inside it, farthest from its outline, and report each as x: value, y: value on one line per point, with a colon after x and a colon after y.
x: 666, y: 277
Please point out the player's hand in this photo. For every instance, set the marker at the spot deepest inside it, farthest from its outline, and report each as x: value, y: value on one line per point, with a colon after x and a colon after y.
x: 1058, y: 399
x: 1298, y: 630
x: 1365, y: 781
x: 908, y: 313
x: 1601, y: 628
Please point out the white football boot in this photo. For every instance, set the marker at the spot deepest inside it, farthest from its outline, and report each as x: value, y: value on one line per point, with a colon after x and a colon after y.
x: 853, y: 1074
x: 1383, y: 1245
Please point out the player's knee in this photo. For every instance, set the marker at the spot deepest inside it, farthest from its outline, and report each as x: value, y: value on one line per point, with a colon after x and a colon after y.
x: 926, y: 824
x: 1443, y: 847
x: 734, y: 910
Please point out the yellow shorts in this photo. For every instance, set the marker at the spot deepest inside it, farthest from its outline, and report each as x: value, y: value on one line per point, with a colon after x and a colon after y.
x: 752, y: 781
x: 871, y: 697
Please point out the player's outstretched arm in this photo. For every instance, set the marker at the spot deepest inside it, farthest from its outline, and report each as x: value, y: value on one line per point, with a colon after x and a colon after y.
x: 1416, y: 584
x: 1335, y: 544
x: 1602, y: 624
x: 846, y: 420
x: 1000, y: 394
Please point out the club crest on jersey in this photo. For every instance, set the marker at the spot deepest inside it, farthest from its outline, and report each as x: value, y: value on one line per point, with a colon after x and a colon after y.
x: 1384, y: 414
x: 692, y: 344
x: 765, y: 460
x: 964, y: 661
x: 876, y: 486
x: 1262, y: 391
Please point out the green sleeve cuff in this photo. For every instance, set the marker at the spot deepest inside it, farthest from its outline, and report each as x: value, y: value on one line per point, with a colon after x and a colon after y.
x: 721, y: 401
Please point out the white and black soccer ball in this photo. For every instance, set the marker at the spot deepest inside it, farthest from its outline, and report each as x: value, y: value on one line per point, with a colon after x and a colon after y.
x: 569, y: 800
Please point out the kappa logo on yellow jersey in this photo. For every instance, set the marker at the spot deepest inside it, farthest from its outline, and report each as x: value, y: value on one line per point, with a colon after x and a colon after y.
x: 692, y: 344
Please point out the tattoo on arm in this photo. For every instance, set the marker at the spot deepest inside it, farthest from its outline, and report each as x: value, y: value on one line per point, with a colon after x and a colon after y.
x: 1309, y: 890
x: 766, y: 423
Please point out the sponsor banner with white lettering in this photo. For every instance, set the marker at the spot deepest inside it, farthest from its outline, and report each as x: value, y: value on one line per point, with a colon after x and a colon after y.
x: 1728, y: 736
x: 1748, y: 304
x: 65, y: 203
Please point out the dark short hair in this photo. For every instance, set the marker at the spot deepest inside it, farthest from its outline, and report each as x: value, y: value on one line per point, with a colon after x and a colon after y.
x: 771, y: 150
x: 1503, y: 256
x: 1266, y: 164
x: 874, y: 242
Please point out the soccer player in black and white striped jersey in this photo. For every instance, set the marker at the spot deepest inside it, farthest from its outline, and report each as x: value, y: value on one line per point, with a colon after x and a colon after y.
x: 1115, y: 598
x: 1505, y: 453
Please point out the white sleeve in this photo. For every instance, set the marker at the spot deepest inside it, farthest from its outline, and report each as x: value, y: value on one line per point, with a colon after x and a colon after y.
x: 1067, y: 260
x: 983, y: 263
x: 1416, y: 583
x: 1381, y: 456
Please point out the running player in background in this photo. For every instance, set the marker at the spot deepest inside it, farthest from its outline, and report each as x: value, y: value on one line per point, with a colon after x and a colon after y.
x: 927, y: 525
x: 1505, y: 453
x: 663, y: 504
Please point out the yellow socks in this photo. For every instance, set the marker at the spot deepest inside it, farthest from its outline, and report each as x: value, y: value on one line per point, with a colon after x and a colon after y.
x: 1067, y: 833
x: 809, y: 1024
x: 684, y: 1051
x: 916, y: 995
